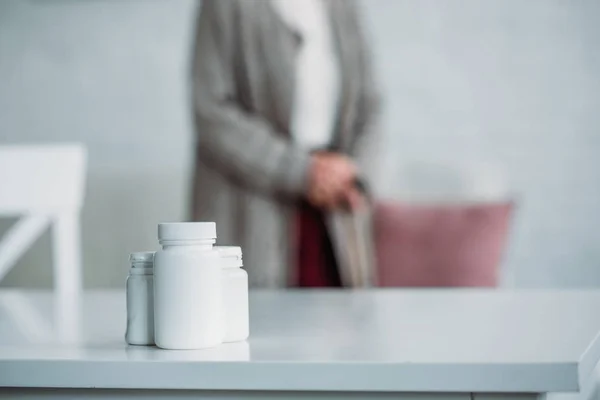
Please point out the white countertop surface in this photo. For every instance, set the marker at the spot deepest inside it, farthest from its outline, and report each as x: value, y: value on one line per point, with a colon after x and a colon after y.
x: 381, y: 340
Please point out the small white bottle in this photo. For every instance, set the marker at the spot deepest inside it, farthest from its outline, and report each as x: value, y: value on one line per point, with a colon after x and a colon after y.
x: 140, y: 299
x: 187, y: 287
x: 235, y: 294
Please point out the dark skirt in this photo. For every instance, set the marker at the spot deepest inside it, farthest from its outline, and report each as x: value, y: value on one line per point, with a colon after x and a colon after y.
x: 316, y: 264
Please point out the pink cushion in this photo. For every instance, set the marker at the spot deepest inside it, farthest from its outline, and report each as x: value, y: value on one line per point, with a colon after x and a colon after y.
x: 432, y: 245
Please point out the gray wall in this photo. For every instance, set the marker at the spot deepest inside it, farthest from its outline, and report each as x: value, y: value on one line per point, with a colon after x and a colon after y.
x: 515, y: 83
x: 111, y: 74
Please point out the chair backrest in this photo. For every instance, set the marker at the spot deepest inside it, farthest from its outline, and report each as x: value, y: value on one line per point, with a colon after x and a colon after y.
x: 432, y: 245
x: 447, y: 225
x: 41, y: 178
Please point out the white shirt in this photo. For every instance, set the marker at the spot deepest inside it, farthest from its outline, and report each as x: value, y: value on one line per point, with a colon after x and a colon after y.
x: 317, y: 80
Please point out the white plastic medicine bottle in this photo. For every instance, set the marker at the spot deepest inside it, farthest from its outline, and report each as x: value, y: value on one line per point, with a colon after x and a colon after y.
x: 235, y: 294
x: 140, y: 299
x: 187, y: 287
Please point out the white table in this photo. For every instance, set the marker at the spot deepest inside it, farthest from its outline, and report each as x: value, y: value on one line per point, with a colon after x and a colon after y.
x: 459, y: 345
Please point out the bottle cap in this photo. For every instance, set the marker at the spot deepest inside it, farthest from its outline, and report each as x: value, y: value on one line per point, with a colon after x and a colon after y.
x: 141, y: 257
x: 232, y: 256
x: 187, y: 231
x: 230, y: 251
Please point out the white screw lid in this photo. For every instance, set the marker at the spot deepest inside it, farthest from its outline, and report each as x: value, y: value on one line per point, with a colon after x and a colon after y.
x: 187, y: 231
x: 230, y: 251
x: 141, y: 257
x: 231, y: 255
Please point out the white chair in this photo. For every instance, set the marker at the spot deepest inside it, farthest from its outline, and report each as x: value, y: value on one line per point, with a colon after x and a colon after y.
x: 44, y: 186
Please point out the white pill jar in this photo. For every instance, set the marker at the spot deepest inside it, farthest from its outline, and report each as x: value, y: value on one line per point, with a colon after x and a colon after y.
x: 140, y: 295
x: 235, y: 294
x: 187, y: 287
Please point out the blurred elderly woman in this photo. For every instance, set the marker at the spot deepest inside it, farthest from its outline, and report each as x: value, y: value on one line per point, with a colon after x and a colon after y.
x: 284, y: 107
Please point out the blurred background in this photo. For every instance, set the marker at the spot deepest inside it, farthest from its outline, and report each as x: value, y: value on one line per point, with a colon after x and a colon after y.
x: 503, y: 94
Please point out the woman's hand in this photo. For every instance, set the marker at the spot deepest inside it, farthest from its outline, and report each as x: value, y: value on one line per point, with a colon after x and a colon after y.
x: 331, y: 182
